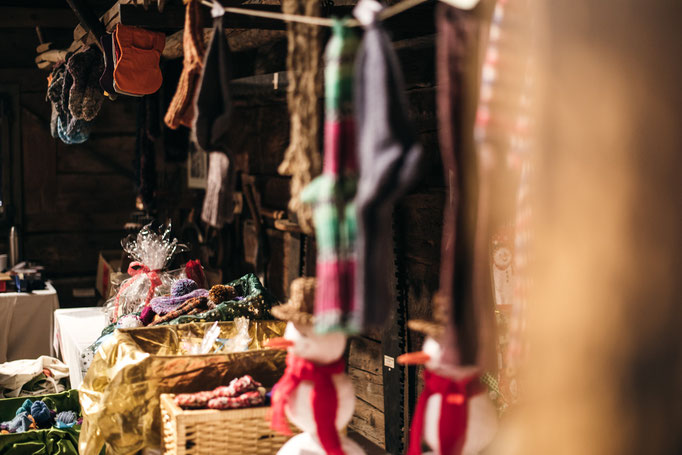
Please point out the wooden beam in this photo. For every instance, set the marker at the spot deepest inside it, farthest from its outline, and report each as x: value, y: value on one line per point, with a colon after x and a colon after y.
x: 17, y: 17
x: 87, y: 17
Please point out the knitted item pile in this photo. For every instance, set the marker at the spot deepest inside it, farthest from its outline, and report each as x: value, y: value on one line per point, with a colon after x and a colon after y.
x: 242, y: 392
x: 181, y: 291
x: 192, y: 306
x: 63, y: 124
x: 34, y: 415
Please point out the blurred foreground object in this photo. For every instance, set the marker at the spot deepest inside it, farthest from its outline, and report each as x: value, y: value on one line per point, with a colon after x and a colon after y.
x: 604, y: 374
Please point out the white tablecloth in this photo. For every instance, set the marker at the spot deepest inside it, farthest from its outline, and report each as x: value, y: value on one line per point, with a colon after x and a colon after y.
x: 26, y: 324
x: 74, y: 330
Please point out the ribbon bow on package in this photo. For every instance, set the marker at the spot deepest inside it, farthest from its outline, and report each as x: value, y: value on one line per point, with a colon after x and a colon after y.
x: 151, y: 251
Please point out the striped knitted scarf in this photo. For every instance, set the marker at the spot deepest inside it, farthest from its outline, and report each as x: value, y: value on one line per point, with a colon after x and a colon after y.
x: 331, y: 194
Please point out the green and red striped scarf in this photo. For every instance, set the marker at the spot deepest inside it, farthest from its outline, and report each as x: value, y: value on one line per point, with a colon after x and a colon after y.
x: 331, y: 194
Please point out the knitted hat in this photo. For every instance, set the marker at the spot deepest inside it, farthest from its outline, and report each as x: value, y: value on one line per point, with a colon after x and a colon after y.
x: 85, y: 95
x: 299, y: 309
x: 66, y: 419
x: 181, y: 291
x: 41, y: 413
x: 434, y: 328
x: 25, y: 407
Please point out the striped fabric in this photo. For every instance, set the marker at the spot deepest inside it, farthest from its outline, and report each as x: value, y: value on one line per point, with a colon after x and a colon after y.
x: 331, y: 194
x: 504, y: 126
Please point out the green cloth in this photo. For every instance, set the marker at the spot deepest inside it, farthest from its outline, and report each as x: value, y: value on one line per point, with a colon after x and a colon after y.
x: 50, y: 441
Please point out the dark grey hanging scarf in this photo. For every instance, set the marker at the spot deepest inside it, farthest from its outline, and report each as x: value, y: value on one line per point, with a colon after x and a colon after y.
x: 389, y: 158
x: 212, y: 126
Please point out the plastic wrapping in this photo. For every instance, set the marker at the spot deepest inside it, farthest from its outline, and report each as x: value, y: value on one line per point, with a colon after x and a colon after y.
x: 211, y: 343
x: 151, y: 251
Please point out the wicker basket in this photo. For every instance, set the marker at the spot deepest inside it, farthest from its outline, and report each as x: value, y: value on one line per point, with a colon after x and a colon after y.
x: 210, y: 431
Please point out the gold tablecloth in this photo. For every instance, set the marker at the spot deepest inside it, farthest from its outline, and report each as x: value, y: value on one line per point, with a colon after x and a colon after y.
x: 119, y: 395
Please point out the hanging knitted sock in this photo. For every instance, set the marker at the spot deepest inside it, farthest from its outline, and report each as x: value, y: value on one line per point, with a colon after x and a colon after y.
x: 218, y: 207
x: 389, y: 158
x: 181, y: 109
x: 302, y: 158
x: 85, y: 95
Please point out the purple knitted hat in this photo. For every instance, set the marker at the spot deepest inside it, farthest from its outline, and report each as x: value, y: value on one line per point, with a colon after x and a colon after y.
x: 181, y: 291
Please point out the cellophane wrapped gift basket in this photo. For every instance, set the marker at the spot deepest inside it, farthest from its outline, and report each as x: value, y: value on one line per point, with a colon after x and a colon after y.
x: 151, y: 251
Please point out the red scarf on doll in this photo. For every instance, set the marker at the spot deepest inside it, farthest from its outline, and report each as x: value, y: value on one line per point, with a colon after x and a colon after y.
x: 454, y: 411
x: 323, y: 397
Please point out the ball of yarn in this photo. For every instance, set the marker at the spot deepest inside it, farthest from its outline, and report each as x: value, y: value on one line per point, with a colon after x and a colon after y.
x: 25, y: 407
x: 129, y: 321
x: 183, y: 286
x: 147, y: 315
x: 221, y: 293
x: 67, y: 417
x: 41, y: 413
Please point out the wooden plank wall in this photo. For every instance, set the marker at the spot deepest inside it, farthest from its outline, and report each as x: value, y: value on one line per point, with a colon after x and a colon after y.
x: 76, y: 197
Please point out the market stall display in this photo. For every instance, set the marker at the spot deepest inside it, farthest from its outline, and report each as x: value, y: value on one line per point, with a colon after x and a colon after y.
x: 24, y: 313
x: 47, y: 424
x: 120, y: 392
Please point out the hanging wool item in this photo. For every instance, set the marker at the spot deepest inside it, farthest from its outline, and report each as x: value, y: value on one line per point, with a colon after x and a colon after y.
x: 85, y: 95
x: 211, y: 130
x: 302, y: 158
x: 218, y: 207
x: 464, y: 243
x: 181, y: 109
x: 389, y: 158
x: 331, y: 194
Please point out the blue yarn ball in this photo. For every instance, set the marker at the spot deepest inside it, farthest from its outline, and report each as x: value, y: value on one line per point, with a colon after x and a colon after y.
x: 41, y: 413
x: 183, y: 286
x: 25, y: 407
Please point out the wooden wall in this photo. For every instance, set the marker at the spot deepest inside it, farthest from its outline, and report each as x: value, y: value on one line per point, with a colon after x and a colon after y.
x: 76, y: 198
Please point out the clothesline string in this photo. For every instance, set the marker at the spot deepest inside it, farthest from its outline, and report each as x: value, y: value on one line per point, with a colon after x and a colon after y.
x: 312, y: 20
